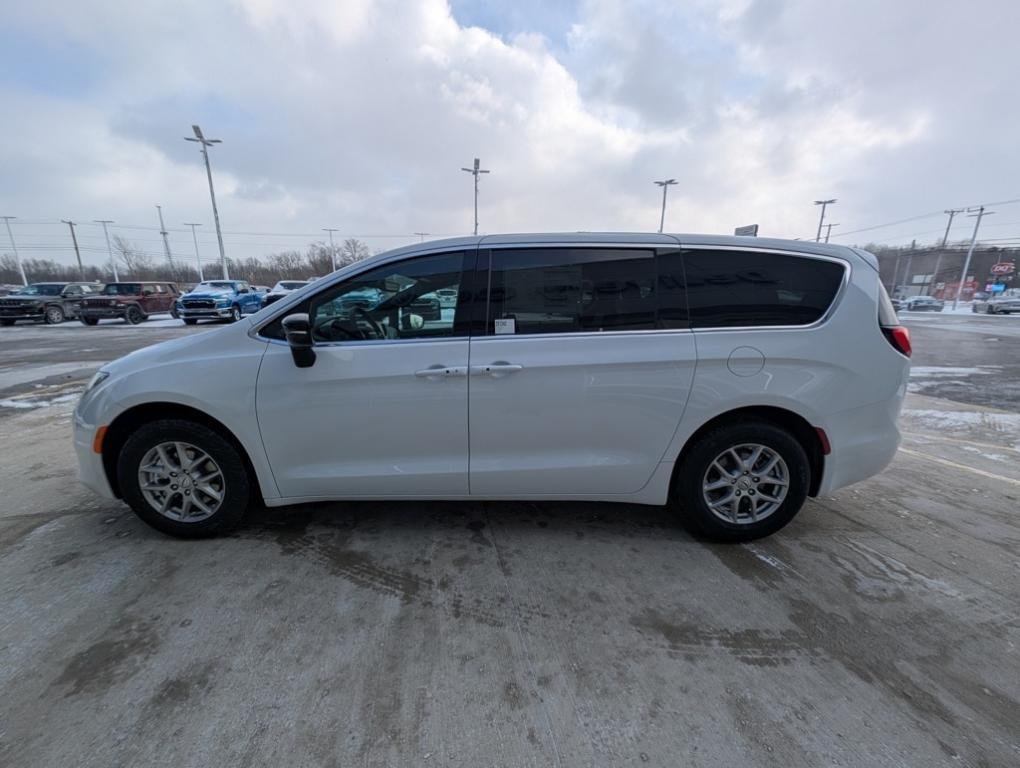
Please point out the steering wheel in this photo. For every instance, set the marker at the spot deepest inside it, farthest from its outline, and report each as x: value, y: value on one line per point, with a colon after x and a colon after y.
x: 376, y: 328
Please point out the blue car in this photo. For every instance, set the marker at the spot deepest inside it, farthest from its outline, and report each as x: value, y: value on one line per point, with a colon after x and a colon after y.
x: 218, y: 300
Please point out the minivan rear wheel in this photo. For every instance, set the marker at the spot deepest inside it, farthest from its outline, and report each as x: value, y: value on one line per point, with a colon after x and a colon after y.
x: 183, y: 479
x: 741, y: 482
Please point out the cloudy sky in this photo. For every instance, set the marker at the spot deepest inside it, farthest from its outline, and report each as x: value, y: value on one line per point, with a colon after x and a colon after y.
x: 358, y: 114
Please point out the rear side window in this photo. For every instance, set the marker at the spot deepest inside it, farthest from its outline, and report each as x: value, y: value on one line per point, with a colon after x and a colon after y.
x: 751, y: 288
x: 571, y: 290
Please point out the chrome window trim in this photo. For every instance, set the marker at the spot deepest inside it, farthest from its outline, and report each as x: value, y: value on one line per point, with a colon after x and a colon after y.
x: 826, y: 316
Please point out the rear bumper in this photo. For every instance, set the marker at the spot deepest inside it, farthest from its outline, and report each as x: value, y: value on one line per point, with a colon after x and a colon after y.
x: 864, y: 441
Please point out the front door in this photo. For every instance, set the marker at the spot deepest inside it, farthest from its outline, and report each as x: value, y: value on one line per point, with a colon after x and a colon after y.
x: 579, y: 383
x: 383, y: 410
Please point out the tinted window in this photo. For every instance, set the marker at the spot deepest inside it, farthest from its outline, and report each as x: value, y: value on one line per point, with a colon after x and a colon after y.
x: 395, y: 301
x: 747, y: 288
x: 569, y: 290
x: 122, y: 289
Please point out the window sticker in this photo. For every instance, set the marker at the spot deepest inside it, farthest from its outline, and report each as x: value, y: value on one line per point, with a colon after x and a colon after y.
x: 505, y: 325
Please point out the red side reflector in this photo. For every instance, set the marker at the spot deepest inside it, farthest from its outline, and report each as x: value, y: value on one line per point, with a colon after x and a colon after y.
x: 900, y: 337
x: 824, y: 440
x: 97, y: 441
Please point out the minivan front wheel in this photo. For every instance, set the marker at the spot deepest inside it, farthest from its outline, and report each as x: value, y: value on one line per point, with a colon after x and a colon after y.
x: 183, y: 479
x: 740, y: 482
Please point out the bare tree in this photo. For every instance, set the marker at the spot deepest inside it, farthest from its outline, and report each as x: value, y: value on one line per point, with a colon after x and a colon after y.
x: 137, y: 263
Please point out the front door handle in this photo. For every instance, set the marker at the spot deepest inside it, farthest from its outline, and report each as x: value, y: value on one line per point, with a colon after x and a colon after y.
x: 496, y: 370
x: 441, y: 372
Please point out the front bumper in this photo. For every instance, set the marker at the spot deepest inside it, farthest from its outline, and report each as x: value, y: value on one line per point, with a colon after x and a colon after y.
x: 22, y: 313
x: 100, y: 313
x: 205, y: 312
x: 91, y: 472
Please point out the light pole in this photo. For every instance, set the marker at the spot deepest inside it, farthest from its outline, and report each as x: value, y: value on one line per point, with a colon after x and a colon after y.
x: 822, y: 203
x: 828, y: 230
x: 204, y: 142
x: 664, y: 184
x: 166, y: 239
x: 77, y: 253
x: 109, y: 249
x: 945, y: 239
x: 981, y: 213
x: 17, y: 256
x: 474, y: 172
x: 332, y: 248
x: 198, y: 259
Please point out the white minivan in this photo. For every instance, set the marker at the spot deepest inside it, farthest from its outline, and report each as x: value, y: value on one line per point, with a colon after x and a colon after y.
x: 732, y: 377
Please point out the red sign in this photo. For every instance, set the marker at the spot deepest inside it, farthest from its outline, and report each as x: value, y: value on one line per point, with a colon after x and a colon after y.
x: 1003, y: 268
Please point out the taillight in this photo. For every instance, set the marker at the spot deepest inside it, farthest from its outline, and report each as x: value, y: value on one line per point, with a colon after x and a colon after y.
x: 899, y: 337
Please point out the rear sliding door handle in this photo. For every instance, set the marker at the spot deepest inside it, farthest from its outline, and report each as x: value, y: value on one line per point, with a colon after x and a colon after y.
x: 496, y: 370
x: 441, y: 372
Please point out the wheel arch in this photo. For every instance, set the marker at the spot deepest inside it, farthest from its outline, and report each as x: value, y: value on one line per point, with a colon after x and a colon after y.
x: 792, y: 422
x: 126, y: 423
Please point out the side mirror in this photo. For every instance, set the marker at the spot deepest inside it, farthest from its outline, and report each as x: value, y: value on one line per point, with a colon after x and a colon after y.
x: 298, y: 331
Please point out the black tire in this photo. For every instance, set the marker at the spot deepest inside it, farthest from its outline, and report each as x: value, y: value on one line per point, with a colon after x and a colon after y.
x: 134, y: 315
x: 190, y: 320
x: 989, y: 310
x: 88, y: 320
x: 54, y: 315
x: 173, y: 312
x: 688, y: 494
x: 237, y: 483
x: 7, y: 322
x: 235, y: 314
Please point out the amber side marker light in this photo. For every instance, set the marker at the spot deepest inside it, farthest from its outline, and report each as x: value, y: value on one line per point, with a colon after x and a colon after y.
x: 97, y: 441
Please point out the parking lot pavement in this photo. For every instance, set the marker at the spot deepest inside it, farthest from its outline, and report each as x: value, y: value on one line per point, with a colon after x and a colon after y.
x: 879, y: 628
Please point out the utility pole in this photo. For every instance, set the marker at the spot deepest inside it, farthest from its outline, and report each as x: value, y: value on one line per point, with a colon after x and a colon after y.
x: 212, y: 193
x: 821, y: 219
x: 665, y: 185
x: 332, y: 248
x: 198, y: 259
x: 945, y: 239
x: 166, y: 240
x: 109, y: 248
x: 828, y: 230
x: 981, y: 213
x: 422, y: 235
x: 77, y: 253
x: 17, y: 256
x: 474, y: 172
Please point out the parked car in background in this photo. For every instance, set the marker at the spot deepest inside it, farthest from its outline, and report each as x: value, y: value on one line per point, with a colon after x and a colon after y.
x: 998, y: 303
x: 281, y: 289
x: 898, y: 304
x: 45, y: 302
x: 218, y: 300
x: 731, y: 379
x: 923, y: 304
x: 134, y: 302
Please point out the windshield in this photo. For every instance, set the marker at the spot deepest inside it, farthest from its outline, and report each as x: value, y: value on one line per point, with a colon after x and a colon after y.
x: 214, y: 285
x: 122, y: 289
x: 289, y: 285
x: 40, y: 289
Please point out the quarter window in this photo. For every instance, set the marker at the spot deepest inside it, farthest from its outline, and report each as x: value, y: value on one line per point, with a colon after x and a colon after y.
x: 570, y: 290
x: 749, y: 288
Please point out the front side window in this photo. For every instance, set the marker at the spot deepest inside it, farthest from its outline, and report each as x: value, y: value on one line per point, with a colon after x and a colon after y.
x: 122, y: 289
x: 754, y: 288
x: 570, y: 290
x: 395, y: 301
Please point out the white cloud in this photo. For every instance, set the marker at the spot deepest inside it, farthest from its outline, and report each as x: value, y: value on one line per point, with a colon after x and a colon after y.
x: 359, y: 115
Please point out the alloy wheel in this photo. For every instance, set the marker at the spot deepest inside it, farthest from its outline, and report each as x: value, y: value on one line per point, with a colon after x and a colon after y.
x: 745, y: 484
x: 181, y: 481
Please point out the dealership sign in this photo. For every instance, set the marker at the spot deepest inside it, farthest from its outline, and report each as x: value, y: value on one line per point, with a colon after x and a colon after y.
x: 751, y: 230
x: 1003, y: 268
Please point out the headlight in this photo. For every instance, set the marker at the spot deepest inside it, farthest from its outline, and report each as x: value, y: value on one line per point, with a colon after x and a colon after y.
x: 96, y: 380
